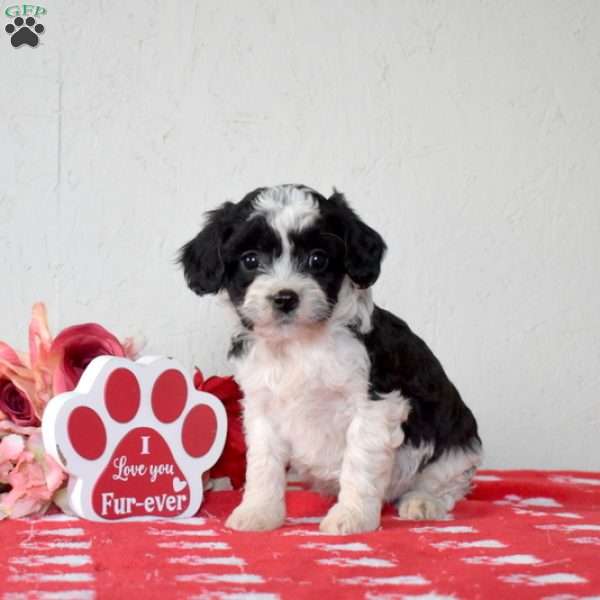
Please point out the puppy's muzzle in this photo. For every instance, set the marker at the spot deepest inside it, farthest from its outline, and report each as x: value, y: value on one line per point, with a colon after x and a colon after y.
x: 285, y: 301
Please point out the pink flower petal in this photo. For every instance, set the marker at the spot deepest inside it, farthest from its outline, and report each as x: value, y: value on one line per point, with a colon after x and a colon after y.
x: 9, y: 427
x: 133, y: 345
x: 40, y: 338
x: 28, y: 477
x: 53, y: 474
x: 8, y: 354
x: 11, y: 447
x: 40, y: 360
x: 14, y: 505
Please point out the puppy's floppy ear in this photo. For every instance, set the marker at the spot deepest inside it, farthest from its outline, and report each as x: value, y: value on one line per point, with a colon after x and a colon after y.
x: 365, y: 248
x: 201, y: 258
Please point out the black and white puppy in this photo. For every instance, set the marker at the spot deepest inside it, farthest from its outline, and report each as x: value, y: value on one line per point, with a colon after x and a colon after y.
x: 335, y: 387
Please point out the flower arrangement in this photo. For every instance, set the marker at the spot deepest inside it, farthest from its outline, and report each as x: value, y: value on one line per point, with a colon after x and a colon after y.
x: 29, y: 479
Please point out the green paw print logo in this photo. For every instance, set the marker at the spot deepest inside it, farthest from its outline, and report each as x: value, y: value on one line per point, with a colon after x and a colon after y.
x: 24, y: 29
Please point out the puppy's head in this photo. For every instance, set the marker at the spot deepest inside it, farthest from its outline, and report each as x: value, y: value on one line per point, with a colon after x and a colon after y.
x: 282, y: 254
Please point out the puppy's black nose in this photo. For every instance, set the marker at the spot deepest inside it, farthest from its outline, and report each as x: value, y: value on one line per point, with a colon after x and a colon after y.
x: 285, y: 300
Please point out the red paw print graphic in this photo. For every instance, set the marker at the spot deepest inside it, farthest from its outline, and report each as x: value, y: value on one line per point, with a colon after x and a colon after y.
x: 135, y: 438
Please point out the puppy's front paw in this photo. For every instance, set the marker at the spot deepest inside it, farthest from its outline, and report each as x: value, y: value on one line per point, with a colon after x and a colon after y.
x: 255, y: 518
x: 415, y: 506
x: 342, y: 520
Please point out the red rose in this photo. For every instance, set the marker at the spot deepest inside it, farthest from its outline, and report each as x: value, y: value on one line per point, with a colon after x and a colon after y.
x: 74, y: 348
x: 17, y: 389
x: 16, y: 405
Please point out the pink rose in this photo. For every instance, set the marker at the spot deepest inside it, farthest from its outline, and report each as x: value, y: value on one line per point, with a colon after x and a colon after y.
x: 75, y: 347
x: 18, y: 398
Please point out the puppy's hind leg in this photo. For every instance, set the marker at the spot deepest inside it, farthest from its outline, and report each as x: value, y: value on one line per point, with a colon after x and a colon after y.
x: 438, y: 487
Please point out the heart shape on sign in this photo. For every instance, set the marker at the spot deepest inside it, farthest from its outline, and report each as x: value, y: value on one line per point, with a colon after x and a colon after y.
x: 178, y: 484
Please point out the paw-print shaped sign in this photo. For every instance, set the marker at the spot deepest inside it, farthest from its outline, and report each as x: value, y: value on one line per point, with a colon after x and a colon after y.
x: 135, y: 438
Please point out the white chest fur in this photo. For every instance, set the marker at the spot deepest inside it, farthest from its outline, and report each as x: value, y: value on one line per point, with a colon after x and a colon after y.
x: 309, y: 389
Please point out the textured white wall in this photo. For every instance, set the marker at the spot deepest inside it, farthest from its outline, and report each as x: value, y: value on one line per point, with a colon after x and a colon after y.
x: 467, y: 132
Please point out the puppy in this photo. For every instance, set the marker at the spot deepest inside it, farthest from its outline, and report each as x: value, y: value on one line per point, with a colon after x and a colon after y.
x: 335, y: 387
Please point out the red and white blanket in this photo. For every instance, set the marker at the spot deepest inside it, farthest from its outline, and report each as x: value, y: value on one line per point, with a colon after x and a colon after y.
x: 520, y: 534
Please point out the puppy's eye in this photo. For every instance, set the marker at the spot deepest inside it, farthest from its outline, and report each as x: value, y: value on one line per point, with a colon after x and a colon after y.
x: 250, y: 261
x: 317, y: 261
